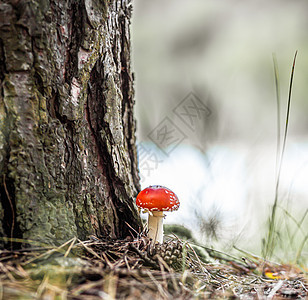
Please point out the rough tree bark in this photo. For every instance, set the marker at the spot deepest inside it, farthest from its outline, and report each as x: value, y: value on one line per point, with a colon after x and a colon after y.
x: 67, y: 134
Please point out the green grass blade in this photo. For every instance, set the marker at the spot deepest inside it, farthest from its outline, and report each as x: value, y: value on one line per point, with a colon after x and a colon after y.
x: 277, y: 86
x: 270, y: 241
x: 288, y: 113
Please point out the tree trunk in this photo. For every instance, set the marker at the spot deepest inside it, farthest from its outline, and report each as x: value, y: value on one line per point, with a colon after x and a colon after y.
x: 67, y: 134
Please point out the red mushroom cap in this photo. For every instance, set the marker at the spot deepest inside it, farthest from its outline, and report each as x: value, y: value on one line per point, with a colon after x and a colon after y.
x: 157, y: 198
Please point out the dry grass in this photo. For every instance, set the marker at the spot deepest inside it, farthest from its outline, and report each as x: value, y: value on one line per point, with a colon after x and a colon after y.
x: 127, y: 269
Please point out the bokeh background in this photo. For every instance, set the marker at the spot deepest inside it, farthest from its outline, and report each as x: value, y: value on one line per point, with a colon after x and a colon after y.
x: 206, y: 114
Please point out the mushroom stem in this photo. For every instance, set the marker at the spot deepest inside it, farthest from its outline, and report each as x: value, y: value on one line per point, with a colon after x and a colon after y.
x: 155, y: 225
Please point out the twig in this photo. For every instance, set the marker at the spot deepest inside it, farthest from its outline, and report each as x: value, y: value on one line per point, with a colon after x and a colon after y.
x: 275, y: 289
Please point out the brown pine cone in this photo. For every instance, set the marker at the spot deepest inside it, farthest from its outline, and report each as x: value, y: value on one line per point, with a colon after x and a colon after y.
x: 171, y: 253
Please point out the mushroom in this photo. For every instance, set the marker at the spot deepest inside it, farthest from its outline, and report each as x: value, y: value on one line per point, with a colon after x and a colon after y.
x: 155, y: 200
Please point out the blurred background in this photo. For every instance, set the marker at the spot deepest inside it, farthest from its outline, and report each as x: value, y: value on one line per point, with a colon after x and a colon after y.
x: 206, y: 114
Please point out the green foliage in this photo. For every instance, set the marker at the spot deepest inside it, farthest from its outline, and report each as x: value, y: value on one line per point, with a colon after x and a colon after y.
x: 179, y: 230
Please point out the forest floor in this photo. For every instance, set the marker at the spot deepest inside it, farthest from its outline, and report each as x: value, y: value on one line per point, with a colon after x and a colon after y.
x: 132, y: 269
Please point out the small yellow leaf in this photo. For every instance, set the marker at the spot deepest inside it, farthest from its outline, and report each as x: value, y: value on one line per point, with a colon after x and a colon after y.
x: 272, y: 275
